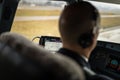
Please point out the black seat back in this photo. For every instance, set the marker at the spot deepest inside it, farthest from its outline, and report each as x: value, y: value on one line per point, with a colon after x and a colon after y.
x: 21, y: 59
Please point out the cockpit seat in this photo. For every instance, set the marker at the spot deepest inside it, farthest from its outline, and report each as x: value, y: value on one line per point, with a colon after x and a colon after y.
x: 22, y: 59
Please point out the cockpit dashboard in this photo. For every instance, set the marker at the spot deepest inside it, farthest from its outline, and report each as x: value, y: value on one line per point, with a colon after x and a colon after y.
x: 105, y: 58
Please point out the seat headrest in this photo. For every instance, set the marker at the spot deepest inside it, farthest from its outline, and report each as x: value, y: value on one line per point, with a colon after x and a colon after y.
x: 20, y: 58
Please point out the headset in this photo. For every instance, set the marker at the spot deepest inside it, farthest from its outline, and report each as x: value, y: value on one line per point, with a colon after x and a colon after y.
x: 85, y: 40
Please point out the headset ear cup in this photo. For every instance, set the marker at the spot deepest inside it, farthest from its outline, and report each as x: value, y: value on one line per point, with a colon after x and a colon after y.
x: 85, y: 40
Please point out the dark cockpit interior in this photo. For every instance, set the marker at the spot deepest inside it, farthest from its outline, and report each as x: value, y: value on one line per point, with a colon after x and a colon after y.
x: 105, y: 59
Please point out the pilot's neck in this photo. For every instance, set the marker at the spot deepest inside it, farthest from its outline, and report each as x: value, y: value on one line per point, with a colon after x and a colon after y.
x: 85, y: 53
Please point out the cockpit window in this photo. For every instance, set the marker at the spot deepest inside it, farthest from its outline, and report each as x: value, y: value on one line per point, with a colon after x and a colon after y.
x: 37, y: 18
x: 110, y: 21
x: 40, y: 18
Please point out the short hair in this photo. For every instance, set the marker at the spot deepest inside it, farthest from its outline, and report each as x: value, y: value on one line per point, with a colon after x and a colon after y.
x: 75, y: 18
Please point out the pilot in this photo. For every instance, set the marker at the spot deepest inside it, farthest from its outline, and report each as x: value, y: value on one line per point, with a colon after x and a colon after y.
x: 21, y: 59
x: 79, y: 28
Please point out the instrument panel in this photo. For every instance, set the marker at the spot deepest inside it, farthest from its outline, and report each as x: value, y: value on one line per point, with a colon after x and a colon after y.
x: 105, y: 59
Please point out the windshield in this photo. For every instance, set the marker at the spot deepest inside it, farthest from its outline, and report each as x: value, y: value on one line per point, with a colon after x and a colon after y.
x: 40, y: 18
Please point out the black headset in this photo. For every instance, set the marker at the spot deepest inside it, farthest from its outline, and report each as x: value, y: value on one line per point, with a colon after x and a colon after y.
x: 86, y: 40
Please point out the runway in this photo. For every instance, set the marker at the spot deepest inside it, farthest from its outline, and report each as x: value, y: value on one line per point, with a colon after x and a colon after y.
x: 36, y: 18
x: 110, y: 34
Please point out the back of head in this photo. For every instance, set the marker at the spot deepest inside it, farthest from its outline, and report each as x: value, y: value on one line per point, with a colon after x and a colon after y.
x: 77, y: 20
x: 21, y: 59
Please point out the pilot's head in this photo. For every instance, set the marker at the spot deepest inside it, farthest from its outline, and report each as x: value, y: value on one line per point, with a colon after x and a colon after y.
x: 79, y: 26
